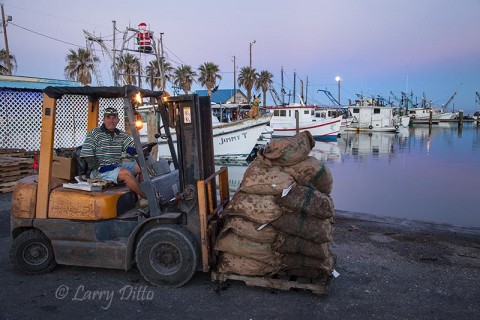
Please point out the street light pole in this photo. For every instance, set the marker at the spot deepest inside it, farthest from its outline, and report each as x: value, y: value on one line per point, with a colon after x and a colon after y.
x: 251, y: 44
x: 338, y: 79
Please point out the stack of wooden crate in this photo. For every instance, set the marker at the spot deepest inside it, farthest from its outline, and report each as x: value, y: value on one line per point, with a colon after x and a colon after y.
x: 14, y: 165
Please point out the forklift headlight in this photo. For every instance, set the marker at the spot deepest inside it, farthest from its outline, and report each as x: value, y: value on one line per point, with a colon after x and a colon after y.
x: 138, y: 99
x: 138, y: 121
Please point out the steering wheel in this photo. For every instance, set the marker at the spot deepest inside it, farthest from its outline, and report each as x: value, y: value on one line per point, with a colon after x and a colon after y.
x: 147, y: 148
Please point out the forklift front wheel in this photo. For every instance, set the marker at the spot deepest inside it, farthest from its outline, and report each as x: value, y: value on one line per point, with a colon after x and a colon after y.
x: 167, y: 255
x: 32, y: 253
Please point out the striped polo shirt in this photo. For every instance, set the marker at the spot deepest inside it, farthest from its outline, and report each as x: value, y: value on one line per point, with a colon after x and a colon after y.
x: 105, y: 146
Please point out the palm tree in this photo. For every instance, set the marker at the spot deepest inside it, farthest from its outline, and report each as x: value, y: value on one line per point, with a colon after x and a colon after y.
x: 264, y: 81
x: 129, y: 66
x: 154, y: 76
x: 4, y: 69
x: 80, y: 65
x: 246, y: 79
x: 209, y: 73
x: 183, y: 77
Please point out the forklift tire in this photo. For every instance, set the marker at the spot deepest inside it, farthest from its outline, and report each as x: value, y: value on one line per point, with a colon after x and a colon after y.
x: 32, y: 253
x: 167, y: 255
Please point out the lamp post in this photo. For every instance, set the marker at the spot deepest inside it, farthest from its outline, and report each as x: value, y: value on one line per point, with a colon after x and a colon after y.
x: 251, y: 44
x: 338, y: 79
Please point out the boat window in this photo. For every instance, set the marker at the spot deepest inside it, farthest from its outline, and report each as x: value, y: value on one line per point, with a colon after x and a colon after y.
x: 276, y: 113
x: 356, y: 110
x: 376, y: 110
x: 312, y: 113
x: 305, y: 112
x: 289, y: 113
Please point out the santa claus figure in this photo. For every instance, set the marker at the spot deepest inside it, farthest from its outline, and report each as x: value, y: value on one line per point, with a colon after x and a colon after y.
x: 144, y: 38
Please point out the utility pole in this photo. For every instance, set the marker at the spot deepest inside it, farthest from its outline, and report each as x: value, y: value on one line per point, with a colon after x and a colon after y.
x: 234, y: 81
x: 7, y: 58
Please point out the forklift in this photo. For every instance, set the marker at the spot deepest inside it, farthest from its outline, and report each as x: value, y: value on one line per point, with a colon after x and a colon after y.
x: 169, y: 240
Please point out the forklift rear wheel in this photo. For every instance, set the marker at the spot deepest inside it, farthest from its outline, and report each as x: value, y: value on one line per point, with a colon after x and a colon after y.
x: 167, y: 255
x: 32, y: 253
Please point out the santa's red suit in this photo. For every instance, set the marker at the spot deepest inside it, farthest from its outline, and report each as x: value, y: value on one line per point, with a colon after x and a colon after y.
x: 143, y: 38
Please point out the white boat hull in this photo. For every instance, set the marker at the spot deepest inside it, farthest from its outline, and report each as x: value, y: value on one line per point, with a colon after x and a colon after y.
x: 231, y: 141
x: 437, y: 114
x: 319, y: 128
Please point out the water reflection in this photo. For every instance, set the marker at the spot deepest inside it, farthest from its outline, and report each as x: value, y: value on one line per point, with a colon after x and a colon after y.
x: 420, y: 173
x: 326, y: 151
x: 364, y: 145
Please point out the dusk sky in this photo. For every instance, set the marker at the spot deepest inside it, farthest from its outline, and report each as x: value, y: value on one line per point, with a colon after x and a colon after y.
x: 375, y: 46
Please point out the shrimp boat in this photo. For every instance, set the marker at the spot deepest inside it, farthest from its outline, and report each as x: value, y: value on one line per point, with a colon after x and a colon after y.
x: 287, y: 120
x: 333, y: 112
x: 369, y: 116
x: 232, y: 141
x: 419, y: 114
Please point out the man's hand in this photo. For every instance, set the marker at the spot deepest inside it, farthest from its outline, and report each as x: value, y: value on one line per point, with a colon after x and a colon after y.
x: 131, y: 151
x: 110, y: 167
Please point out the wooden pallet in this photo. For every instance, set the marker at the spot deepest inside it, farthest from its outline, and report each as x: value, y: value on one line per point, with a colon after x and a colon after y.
x: 13, y: 169
x: 6, y: 187
x: 17, y: 153
x: 315, y: 286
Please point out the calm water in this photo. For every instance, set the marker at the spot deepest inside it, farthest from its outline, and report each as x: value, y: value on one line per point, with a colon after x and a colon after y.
x: 415, y: 174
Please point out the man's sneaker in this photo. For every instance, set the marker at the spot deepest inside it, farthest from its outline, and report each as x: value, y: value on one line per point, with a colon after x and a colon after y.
x: 143, y: 202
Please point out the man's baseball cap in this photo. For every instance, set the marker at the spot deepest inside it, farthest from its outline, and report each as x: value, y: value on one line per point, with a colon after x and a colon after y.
x: 110, y: 111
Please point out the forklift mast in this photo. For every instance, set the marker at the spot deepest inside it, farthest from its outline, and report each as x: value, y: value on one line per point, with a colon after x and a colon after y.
x: 190, y: 116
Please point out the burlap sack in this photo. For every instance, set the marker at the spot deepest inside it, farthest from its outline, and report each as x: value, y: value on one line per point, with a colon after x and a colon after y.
x: 287, y: 151
x: 312, y: 172
x: 249, y: 229
x: 287, y: 244
x: 304, y: 226
x: 257, y: 208
x: 298, y: 261
x: 266, y: 180
x: 230, y: 263
x: 308, y: 200
x: 243, y: 247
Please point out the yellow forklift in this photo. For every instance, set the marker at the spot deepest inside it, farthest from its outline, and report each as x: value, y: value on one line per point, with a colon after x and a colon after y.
x: 169, y: 240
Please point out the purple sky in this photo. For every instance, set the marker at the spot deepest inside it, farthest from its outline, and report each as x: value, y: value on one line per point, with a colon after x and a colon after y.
x: 375, y: 46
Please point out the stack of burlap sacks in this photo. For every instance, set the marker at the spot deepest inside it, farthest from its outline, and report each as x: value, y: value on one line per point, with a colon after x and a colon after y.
x: 268, y: 231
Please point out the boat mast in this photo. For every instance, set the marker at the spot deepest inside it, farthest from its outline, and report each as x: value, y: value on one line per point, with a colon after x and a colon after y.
x: 115, y: 70
x: 234, y: 81
x: 294, y: 84
x: 283, y: 89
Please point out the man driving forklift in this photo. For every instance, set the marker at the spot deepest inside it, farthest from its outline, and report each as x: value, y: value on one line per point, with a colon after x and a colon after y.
x: 102, y: 150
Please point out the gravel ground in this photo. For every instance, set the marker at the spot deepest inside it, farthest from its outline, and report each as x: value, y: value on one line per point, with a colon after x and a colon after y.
x: 389, y: 269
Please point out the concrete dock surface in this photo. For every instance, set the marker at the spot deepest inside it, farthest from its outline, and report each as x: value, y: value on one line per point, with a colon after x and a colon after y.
x: 389, y: 269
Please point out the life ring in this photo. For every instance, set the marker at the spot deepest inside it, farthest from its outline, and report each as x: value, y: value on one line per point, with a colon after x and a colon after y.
x: 370, y: 127
x: 396, y: 126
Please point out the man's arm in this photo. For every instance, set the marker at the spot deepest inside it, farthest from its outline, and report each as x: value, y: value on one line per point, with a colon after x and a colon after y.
x: 92, y: 162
